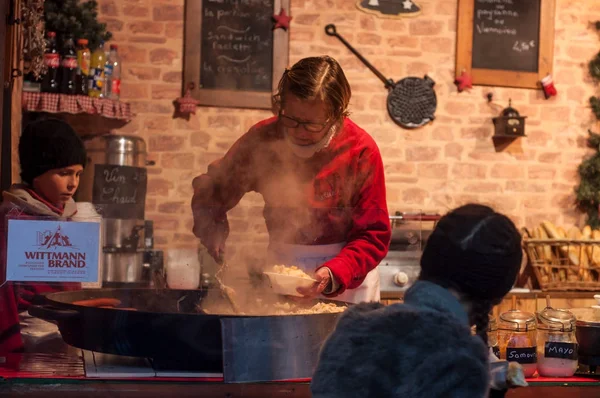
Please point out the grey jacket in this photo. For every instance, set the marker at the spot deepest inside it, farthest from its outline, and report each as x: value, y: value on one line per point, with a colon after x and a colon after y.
x: 422, y: 348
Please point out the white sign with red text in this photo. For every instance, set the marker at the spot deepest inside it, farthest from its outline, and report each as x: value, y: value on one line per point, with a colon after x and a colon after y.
x: 52, y: 251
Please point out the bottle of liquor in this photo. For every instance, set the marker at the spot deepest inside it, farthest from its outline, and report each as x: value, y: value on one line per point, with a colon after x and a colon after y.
x: 112, y: 71
x: 83, y: 66
x: 68, y: 78
x: 50, y: 82
x: 97, y: 72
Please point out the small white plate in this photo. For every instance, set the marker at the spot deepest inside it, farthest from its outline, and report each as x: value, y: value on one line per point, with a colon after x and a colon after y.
x: 287, y: 284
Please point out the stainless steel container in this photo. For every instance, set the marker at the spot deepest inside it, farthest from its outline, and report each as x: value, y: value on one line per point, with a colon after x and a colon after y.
x: 401, y: 266
x: 287, y: 347
x: 120, y: 150
x: 118, y: 233
x: 123, y: 267
x: 123, y: 238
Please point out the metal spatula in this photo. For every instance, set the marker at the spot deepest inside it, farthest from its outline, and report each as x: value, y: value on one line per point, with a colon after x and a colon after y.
x: 226, y: 291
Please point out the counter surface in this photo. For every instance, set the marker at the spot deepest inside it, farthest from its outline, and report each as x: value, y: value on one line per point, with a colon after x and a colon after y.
x: 63, y: 376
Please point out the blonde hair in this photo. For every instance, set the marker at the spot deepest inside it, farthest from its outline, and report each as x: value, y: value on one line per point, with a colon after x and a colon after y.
x: 316, y: 77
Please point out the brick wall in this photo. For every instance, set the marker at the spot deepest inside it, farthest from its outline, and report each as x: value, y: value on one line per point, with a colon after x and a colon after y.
x: 438, y: 167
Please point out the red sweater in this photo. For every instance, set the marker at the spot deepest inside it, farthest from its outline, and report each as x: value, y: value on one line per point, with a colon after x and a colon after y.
x: 17, y: 297
x: 338, y: 195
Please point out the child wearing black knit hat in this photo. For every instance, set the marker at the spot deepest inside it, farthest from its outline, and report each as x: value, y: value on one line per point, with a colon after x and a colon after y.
x: 52, y: 158
x: 424, y: 346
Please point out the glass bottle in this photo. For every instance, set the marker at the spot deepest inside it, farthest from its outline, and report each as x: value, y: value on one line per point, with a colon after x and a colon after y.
x: 112, y: 74
x: 50, y: 82
x: 96, y: 84
x: 68, y: 68
x: 83, y: 69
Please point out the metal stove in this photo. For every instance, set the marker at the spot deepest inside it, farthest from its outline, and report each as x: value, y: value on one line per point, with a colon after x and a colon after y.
x: 400, y: 268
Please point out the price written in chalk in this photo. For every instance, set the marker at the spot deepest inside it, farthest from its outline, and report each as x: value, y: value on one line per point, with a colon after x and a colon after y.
x: 522, y: 46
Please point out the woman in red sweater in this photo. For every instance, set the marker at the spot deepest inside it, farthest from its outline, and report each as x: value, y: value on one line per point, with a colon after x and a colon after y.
x: 52, y: 158
x: 322, y: 180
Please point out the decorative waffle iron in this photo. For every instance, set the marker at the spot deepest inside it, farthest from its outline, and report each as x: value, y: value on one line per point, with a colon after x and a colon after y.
x: 411, y: 101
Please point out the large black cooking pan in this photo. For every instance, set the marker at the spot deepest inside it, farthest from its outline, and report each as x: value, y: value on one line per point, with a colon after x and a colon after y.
x: 168, y: 327
x: 587, y: 331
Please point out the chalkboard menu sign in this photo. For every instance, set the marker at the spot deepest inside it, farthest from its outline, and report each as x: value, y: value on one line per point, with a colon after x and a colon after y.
x: 560, y: 350
x: 496, y: 351
x: 237, y: 45
x: 233, y: 55
x: 120, y: 191
x: 506, y: 35
x: 522, y: 355
x: 505, y: 42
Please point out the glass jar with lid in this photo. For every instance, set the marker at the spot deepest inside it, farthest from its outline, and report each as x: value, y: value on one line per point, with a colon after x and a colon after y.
x: 492, y: 334
x: 557, y: 344
x: 517, y: 336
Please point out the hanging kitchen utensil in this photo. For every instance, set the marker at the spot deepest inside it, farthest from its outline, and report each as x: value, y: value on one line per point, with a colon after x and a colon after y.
x: 411, y: 101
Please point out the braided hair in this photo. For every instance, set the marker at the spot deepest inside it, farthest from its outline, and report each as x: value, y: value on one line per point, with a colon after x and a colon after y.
x: 476, y: 252
x: 480, y: 310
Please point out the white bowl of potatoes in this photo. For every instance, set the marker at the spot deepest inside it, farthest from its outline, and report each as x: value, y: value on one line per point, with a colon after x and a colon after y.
x: 286, y: 280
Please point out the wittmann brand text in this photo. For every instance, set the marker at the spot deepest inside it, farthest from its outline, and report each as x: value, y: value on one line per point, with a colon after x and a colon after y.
x: 53, y: 251
x: 60, y: 260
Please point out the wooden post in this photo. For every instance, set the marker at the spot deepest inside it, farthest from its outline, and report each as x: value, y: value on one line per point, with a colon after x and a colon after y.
x: 12, y: 85
x: 4, y: 67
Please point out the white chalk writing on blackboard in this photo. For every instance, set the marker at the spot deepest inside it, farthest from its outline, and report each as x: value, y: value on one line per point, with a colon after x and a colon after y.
x: 238, y: 61
x: 112, y: 176
x: 237, y: 40
x: 113, y: 195
x: 522, y: 46
x: 230, y: 39
x: 503, y: 18
x: 497, y: 16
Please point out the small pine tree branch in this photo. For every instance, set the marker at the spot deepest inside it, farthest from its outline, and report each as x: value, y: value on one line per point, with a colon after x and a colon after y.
x: 594, y: 67
x: 595, y: 104
x: 593, y: 140
x: 75, y: 18
x: 587, y: 193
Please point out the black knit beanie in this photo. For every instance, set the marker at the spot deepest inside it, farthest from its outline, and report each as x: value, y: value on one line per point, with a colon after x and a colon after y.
x: 474, y: 250
x: 49, y: 144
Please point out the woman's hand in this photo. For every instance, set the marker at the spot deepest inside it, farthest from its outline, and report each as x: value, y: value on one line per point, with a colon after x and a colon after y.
x: 323, y: 279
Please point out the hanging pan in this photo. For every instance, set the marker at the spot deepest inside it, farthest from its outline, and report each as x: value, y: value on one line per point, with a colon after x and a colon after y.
x: 411, y: 101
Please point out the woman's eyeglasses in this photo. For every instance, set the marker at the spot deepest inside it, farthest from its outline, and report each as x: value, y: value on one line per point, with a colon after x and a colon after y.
x: 308, y: 126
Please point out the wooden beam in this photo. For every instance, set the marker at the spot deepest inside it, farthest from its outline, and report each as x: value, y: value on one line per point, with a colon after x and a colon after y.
x: 5, y: 149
